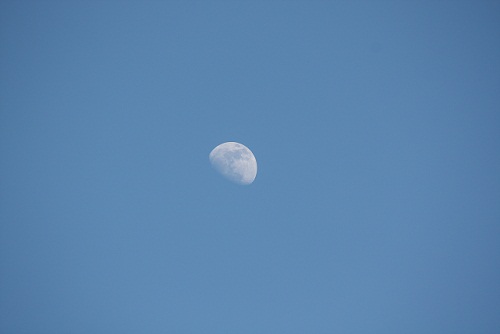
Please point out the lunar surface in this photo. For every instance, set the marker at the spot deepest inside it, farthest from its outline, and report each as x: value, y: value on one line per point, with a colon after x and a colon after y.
x: 235, y: 162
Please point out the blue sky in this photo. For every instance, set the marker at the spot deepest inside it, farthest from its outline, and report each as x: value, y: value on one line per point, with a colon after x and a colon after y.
x: 375, y: 124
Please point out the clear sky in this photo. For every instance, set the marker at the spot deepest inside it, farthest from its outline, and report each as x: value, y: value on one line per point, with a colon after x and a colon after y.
x: 376, y: 128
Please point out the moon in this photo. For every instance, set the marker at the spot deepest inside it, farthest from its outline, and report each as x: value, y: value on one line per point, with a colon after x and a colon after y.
x: 235, y: 162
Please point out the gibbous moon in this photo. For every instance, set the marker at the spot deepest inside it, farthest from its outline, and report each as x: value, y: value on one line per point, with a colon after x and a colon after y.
x: 235, y: 162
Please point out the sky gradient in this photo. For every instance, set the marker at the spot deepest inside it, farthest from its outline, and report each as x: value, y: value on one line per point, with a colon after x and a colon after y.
x: 375, y: 125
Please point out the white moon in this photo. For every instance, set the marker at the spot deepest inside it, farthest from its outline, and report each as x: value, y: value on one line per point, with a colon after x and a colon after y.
x: 235, y: 162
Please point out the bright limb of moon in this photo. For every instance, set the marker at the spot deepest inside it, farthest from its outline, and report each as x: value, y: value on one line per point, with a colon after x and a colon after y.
x: 235, y: 162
